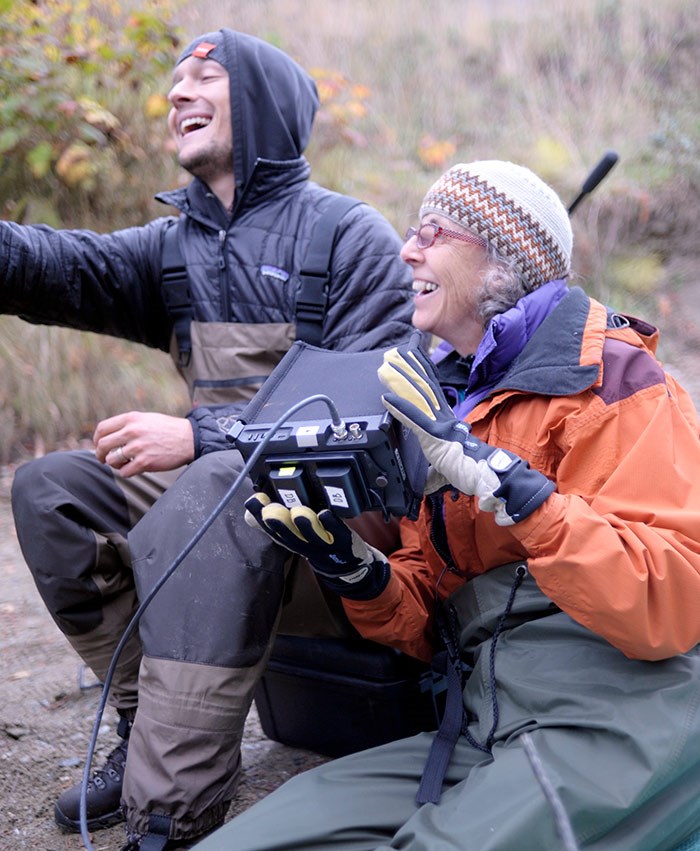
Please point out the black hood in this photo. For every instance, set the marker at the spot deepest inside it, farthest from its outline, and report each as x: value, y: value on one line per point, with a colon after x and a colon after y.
x: 273, y: 100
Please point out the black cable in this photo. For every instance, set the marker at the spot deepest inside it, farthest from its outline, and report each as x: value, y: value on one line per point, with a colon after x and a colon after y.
x: 186, y: 550
x: 381, y: 503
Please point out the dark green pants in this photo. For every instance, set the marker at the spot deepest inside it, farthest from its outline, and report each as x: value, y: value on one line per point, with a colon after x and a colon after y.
x: 96, y: 544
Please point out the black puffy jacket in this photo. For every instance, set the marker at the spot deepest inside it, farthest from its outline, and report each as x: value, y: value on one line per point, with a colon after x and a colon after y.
x: 243, y: 267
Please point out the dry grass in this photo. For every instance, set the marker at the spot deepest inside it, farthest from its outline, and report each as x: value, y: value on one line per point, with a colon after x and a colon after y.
x: 60, y: 383
x: 547, y: 83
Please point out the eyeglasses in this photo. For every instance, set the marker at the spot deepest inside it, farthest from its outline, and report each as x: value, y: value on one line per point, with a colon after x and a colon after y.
x: 427, y: 233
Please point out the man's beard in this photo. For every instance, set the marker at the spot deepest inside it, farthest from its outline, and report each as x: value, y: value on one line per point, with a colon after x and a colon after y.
x: 208, y: 164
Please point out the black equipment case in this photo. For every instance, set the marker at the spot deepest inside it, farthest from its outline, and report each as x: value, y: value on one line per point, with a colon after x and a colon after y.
x: 336, y: 696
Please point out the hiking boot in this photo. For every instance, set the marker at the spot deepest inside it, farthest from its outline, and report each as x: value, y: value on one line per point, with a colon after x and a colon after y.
x: 104, y: 792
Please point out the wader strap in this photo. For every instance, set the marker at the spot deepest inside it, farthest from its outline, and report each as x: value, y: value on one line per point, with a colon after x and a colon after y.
x: 313, y: 288
x: 157, y: 836
x: 445, y: 739
x: 617, y: 320
x: 454, y: 720
x: 176, y: 291
x: 315, y: 273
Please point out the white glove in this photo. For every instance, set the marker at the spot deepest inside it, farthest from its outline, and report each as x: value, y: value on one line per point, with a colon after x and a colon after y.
x: 502, y: 482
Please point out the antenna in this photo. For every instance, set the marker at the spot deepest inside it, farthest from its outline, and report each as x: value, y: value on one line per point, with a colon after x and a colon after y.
x: 598, y: 174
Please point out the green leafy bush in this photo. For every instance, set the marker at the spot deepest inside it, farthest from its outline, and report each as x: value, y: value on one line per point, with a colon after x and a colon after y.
x: 83, y: 143
x: 81, y: 92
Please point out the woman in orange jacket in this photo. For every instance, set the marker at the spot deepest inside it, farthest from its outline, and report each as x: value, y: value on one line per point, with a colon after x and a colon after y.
x: 555, y: 564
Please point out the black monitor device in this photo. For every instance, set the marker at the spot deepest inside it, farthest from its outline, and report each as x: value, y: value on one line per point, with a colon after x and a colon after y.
x: 353, y: 459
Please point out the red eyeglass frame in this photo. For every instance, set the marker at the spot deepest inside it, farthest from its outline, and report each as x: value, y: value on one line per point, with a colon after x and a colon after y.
x: 439, y: 230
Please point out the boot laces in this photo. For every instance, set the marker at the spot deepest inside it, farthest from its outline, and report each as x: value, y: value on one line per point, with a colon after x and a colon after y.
x: 113, y: 767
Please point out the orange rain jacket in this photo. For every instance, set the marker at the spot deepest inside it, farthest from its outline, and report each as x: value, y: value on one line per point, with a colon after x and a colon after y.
x: 617, y: 545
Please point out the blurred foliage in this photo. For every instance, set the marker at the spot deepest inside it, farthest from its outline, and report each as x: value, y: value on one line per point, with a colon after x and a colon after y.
x: 343, y: 107
x: 640, y: 275
x: 436, y: 153
x: 82, y: 130
x: 80, y: 91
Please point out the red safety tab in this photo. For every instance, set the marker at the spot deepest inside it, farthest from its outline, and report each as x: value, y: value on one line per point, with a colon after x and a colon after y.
x: 203, y: 49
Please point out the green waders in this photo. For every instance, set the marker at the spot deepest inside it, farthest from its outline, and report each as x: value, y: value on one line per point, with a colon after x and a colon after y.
x: 616, y: 740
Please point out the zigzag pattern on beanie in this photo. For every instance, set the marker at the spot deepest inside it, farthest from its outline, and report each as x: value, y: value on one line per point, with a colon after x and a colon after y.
x: 513, y: 209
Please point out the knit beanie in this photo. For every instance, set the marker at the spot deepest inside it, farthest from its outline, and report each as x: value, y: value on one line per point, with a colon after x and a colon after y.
x: 508, y: 205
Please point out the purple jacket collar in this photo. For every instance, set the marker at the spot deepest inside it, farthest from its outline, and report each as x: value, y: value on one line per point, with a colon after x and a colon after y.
x: 504, y: 339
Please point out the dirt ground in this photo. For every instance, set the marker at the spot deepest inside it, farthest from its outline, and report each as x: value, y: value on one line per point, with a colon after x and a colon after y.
x: 47, y: 707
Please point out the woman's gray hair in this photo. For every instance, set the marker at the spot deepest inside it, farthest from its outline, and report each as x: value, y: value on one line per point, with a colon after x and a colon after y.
x: 503, y: 285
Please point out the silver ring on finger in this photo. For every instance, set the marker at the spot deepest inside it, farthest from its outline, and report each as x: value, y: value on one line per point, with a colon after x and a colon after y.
x: 122, y: 457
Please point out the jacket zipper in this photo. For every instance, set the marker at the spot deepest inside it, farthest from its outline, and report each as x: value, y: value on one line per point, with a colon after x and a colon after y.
x: 225, y: 296
x: 438, y: 532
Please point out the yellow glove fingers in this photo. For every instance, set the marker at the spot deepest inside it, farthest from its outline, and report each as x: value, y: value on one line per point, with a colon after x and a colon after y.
x: 412, y: 368
x: 281, y: 514
x: 256, y: 503
x: 399, y: 415
x: 316, y: 526
x: 408, y: 381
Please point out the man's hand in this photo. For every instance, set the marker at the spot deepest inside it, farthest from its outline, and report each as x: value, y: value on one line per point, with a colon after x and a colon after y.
x: 139, y: 442
x: 501, y: 481
x: 339, y: 556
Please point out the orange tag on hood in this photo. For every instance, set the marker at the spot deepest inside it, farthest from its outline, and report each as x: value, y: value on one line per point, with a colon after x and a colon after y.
x: 203, y: 49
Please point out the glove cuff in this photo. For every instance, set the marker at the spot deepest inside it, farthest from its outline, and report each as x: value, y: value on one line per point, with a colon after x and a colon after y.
x: 368, y: 587
x: 523, y: 490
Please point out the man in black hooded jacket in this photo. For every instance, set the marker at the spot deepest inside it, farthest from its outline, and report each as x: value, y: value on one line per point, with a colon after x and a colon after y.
x: 98, y: 530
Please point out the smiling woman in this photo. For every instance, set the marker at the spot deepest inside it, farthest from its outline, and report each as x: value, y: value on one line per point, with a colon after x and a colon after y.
x: 447, y: 272
x: 555, y: 578
x: 514, y: 235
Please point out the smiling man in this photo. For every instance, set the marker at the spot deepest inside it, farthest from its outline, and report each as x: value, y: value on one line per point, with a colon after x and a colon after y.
x: 200, y: 121
x: 99, y: 529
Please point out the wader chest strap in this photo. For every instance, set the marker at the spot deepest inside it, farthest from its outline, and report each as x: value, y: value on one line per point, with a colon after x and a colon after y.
x: 313, y: 288
x: 176, y: 291
x: 315, y: 273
